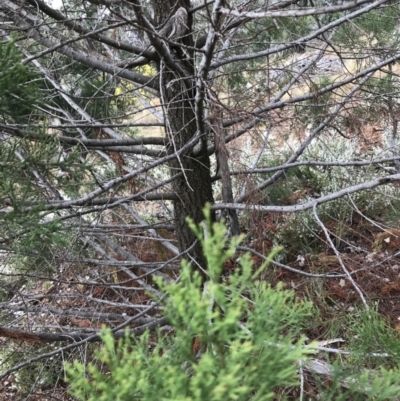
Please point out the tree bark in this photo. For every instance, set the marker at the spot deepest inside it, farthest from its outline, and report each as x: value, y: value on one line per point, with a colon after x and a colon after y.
x: 194, y: 187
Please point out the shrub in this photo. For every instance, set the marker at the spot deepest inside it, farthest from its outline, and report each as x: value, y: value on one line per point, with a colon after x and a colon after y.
x: 248, y: 335
x: 235, y: 340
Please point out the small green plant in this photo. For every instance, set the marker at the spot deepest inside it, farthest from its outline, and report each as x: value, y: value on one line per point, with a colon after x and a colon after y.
x: 249, y: 337
x: 369, y: 371
x: 236, y: 340
x: 372, y: 337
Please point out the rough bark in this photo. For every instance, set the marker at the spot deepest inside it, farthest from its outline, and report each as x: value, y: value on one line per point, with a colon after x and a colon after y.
x: 193, y: 188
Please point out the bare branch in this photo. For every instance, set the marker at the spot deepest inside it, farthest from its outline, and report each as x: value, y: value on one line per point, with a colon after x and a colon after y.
x: 315, y: 202
x: 301, y: 12
x: 305, y: 39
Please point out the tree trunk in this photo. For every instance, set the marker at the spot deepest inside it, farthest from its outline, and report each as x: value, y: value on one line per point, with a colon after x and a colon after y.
x: 194, y: 188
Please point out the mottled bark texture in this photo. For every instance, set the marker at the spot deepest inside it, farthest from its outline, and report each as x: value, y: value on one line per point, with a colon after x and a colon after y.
x: 194, y: 188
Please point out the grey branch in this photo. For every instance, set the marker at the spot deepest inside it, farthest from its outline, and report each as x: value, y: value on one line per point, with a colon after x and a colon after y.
x: 77, y: 338
x: 295, y: 13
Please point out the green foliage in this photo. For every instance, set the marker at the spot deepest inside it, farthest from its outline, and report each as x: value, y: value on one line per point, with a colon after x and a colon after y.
x: 381, y: 89
x: 248, y: 338
x: 369, y: 371
x: 236, y: 361
x: 36, y: 244
x: 370, y: 336
x: 96, y: 96
x: 292, y: 29
x: 34, y: 235
x: 379, y: 385
x: 380, y: 26
x: 377, y: 29
x: 18, y: 91
x: 26, y: 228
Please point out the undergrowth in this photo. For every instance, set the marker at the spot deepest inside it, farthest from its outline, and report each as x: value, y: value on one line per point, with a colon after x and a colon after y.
x: 299, y: 232
x: 236, y: 340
